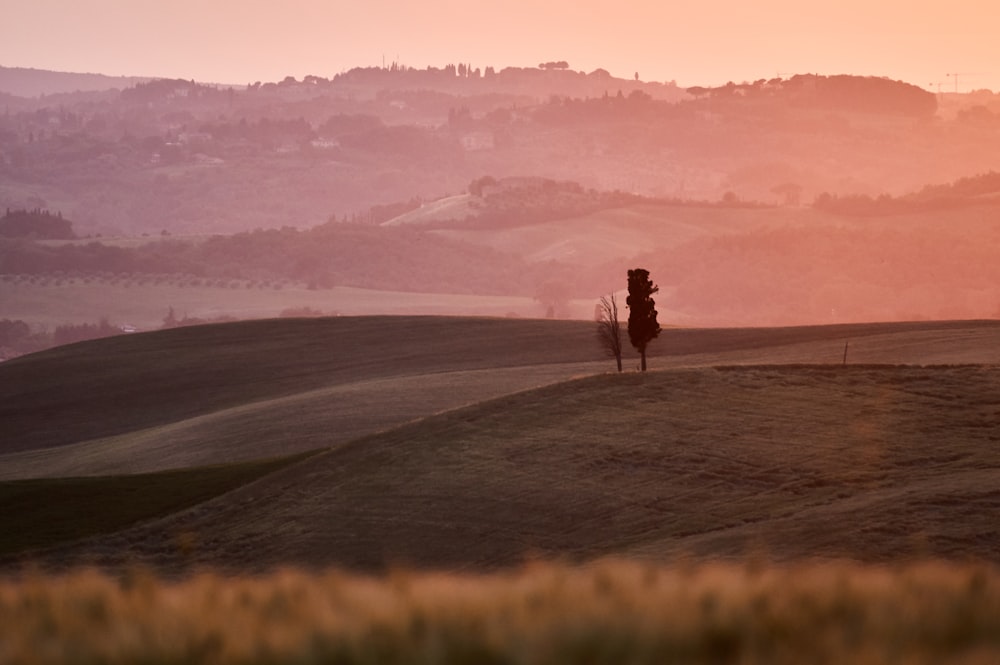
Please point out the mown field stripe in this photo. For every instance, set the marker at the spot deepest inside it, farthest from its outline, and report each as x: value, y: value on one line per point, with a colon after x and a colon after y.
x: 45, y: 512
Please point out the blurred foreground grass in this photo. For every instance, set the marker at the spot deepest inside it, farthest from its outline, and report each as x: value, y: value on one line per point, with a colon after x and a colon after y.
x: 607, y: 612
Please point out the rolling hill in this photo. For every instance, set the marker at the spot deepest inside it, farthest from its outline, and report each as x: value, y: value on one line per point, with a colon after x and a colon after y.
x: 547, y: 247
x: 28, y: 82
x: 741, y: 445
x: 235, y: 372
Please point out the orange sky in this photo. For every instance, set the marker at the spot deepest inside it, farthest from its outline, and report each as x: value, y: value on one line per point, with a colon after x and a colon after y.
x: 695, y: 43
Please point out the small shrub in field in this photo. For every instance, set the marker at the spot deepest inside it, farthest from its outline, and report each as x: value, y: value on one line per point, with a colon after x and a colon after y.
x: 608, y: 612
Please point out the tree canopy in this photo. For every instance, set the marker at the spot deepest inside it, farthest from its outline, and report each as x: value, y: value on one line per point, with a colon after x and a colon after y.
x: 642, y: 324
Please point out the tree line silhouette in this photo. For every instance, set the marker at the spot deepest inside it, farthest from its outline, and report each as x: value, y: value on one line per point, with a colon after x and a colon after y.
x: 37, y: 224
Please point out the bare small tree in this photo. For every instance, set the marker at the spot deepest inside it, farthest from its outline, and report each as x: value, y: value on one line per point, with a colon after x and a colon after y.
x: 609, y: 330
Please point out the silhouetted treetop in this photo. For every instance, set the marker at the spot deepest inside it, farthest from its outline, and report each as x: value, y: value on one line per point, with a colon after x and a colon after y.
x: 864, y: 94
x: 642, y: 324
x: 40, y: 224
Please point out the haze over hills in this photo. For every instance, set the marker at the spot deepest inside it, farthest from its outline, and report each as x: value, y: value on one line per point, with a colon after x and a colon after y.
x: 531, y: 247
x: 30, y: 82
x: 320, y: 147
x: 781, y: 201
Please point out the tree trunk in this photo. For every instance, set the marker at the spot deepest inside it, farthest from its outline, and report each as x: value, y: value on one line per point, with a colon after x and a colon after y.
x: 643, y: 352
x: 618, y: 357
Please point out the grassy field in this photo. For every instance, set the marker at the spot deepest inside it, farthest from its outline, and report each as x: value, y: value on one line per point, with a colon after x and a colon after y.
x: 752, y: 501
x: 616, y: 233
x: 252, y: 390
x: 462, y: 443
x: 127, y: 383
x: 40, y: 513
x: 281, y: 426
x: 145, y: 305
x: 870, y: 463
x: 609, y: 612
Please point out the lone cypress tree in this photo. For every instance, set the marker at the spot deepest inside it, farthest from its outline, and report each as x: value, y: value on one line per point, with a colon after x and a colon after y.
x: 642, y: 325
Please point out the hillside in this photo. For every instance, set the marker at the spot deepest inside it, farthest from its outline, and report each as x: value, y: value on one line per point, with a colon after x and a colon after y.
x: 872, y: 463
x: 28, y: 82
x: 783, y: 460
x: 123, y: 384
x: 222, y: 393
x: 538, y: 250
x: 182, y: 157
x: 747, y: 266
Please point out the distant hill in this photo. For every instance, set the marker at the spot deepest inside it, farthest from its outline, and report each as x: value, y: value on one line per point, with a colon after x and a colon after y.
x: 196, y: 158
x: 512, y: 201
x: 182, y: 374
x: 718, y: 263
x: 28, y: 82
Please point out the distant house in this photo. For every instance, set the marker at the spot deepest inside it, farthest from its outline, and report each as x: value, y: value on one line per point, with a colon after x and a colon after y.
x: 193, y: 137
x: 208, y: 160
x: 325, y: 143
x: 480, y: 140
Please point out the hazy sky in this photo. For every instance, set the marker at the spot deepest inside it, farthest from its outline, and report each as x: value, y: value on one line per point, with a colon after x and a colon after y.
x: 704, y: 42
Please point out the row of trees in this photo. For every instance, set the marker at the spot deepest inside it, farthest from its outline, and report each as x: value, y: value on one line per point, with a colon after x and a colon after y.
x: 37, y: 223
x: 643, y: 327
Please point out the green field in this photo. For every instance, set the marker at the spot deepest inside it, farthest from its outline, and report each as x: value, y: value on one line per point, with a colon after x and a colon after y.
x: 730, y: 463
x: 129, y: 383
x: 233, y: 392
x: 467, y: 442
x: 41, y: 513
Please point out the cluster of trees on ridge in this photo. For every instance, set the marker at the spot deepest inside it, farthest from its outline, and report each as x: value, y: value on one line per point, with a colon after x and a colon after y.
x: 975, y: 190
x: 18, y: 338
x: 328, y: 255
x: 35, y: 224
